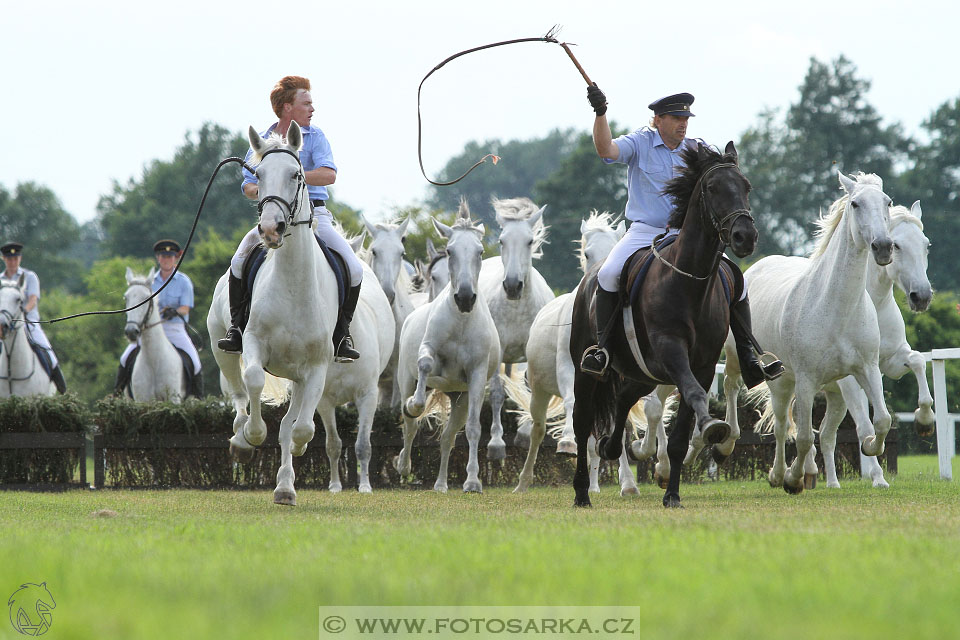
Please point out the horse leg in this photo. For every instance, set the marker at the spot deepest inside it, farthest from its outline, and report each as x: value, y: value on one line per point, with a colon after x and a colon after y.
x: 538, y: 414
x: 254, y: 430
x: 652, y: 412
x: 567, y: 445
x: 474, y: 402
x: 303, y: 403
x: 414, y: 405
x: 328, y: 417
x: 628, y: 484
x: 856, y: 402
x: 871, y: 382
x: 836, y: 410
x: 676, y: 450
x: 366, y: 408
x: 781, y: 397
x: 448, y: 437
x: 924, y: 419
x: 804, y: 393
x: 410, y: 426
x: 496, y: 448
x: 731, y: 389
x: 593, y: 463
x: 583, y: 417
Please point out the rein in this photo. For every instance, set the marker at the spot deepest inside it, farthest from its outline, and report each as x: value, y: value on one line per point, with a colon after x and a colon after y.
x: 293, y: 209
x: 550, y: 37
x: 8, y: 352
x: 719, y: 224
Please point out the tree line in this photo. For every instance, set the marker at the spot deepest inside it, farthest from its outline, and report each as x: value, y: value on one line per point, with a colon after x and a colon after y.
x: 791, y: 156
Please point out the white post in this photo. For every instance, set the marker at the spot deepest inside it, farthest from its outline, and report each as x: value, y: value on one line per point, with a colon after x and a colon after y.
x: 945, y: 441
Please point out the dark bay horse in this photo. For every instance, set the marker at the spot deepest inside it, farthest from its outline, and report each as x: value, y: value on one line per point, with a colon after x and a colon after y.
x: 681, y: 318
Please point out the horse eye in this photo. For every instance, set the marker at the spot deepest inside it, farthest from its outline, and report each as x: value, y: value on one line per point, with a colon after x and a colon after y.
x: 530, y: 244
x: 404, y: 255
x: 855, y: 205
x: 896, y: 247
x: 373, y: 252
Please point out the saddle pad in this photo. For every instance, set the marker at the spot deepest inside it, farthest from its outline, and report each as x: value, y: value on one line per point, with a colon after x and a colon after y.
x: 185, y: 360
x: 645, y: 258
x: 251, y: 267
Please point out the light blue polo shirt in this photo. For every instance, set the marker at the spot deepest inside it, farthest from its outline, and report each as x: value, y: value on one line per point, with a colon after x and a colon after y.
x: 316, y: 153
x: 178, y: 293
x: 650, y: 164
x: 31, y: 285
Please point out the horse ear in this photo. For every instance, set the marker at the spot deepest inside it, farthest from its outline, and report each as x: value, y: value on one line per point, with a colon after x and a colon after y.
x: 403, y: 227
x: 583, y: 226
x: 621, y: 229
x: 847, y: 184
x: 441, y: 228
x: 480, y: 229
x: 369, y: 227
x: 130, y: 275
x: 294, y: 135
x: 731, y: 150
x: 701, y: 152
x: 256, y: 142
x: 431, y: 250
x: 152, y: 274
x: 357, y: 243
x: 915, y: 209
x: 535, y: 217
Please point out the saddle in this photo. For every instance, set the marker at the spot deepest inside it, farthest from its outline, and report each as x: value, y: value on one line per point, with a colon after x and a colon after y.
x: 43, y: 355
x: 186, y: 360
x: 251, y: 268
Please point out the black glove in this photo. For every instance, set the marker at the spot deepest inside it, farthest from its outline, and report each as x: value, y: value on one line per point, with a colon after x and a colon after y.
x: 597, y: 100
x: 169, y: 313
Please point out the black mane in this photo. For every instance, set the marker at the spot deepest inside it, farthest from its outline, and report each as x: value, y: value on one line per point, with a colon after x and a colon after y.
x: 681, y: 188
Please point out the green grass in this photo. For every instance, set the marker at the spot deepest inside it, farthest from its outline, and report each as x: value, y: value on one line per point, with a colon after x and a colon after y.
x: 742, y: 560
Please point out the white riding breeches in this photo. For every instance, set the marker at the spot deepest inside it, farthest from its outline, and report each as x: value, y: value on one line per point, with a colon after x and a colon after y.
x: 324, y: 230
x: 38, y: 336
x: 176, y: 332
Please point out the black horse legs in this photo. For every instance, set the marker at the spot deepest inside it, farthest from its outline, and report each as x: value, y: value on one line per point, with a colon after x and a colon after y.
x: 583, y: 417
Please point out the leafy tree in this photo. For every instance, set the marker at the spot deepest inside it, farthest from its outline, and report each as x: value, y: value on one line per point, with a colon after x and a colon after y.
x: 33, y: 215
x: 164, y: 202
x: 935, y: 181
x: 581, y: 183
x: 522, y: 164
x: 793, y: 164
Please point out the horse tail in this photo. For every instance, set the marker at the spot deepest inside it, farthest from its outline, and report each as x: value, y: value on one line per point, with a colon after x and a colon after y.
x: 435, y: 412
x: 759, y: 397
x: 519, y: 393
x: 604, y: 404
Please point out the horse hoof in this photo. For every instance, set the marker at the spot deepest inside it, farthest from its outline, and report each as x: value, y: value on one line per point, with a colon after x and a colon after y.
x: 809, y: 481
x: 715, y: 431
x: 285, y: 497
x: 583, y: 502
x: 335, y: 488
x: 718, y: 457
x: 660, y: 480
x: 794, y: 491
x: 629, y: 491
x: 241, y: 455
x: 365, y: 488
x: 869, y: 446
x: 672, y: 502
x: 567, y: 448
x: 412, y: 410
x: 774, y: 483
x: 608, y: 448
x: 298, y: 450
x: 496, y: 451
x: 924, y: 430
x: 472, y: 486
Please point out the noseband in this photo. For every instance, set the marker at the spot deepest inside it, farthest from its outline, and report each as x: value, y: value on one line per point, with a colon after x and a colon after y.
x: 291, y: 209
x: 142, y: 325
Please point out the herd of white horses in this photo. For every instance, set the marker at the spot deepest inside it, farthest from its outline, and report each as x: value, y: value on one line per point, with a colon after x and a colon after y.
x: 830, y: 317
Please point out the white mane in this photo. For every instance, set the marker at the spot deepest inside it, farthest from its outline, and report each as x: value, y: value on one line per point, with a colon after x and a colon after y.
x: 828, y: 225
x: 596, y: 222
x: 900, y: 214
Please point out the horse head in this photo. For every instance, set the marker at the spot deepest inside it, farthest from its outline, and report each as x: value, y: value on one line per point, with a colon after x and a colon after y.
x: 464, y: 255
x: 13, y: 295
x: 870, y: 209
x: 520, y: 240
x: 437, y: 272
x: 281, y: 186
x: 598, y: 236
x: 910, y: 249
x: 387, y: 251
x: 138, y: 290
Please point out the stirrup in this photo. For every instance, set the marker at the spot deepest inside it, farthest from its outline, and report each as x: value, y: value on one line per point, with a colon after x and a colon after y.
x: 345, y: 351
x: 773, y: 368
x: 232, y: 342
x: 590, y: 363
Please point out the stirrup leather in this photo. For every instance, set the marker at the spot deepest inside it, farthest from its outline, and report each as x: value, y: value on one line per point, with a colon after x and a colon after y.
x: 593, y: 355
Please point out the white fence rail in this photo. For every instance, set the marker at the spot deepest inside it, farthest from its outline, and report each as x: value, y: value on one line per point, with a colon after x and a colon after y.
x: 946, y: 421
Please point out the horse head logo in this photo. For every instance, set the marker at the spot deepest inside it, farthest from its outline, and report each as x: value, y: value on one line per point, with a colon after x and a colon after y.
x: 30, y: 609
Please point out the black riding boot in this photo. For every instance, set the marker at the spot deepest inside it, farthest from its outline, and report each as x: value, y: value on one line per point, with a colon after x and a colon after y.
x: 233, y: 341
x: 596, y: 358
x: 751, y: 371
x: 196, y: 385
x: 56, y: 376
x: 342, y: 341
x: 123, y: 379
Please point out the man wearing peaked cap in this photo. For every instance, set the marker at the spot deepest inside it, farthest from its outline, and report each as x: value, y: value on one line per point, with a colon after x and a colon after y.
x: 174, y: 303
x: 12, y: 255
x: 653, y: 157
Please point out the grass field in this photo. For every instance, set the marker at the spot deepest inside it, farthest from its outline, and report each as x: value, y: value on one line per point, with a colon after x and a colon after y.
x: 742, y: 560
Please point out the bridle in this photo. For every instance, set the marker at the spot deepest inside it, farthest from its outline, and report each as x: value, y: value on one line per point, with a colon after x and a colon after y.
x: 291, y: 209
x: 722, y: 224
x: 12, y: 319
x: 142, y: 325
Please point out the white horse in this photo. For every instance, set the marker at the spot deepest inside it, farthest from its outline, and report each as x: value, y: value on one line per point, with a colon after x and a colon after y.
x: 550, y: 370
x: 158, y: 370
x: 450, y: 345
x: 516, y: 292
x: 385, y: 256
x: 816, y: 315
x: 293, y: 311
x: 20, y: 371
x: 909, y: 272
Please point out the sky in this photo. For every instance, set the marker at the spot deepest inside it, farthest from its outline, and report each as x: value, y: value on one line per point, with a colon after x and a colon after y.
x: 92, y: 92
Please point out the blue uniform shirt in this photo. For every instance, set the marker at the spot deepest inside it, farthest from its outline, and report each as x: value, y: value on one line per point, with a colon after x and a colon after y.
x: 650, y: 164
x: 316, y: 153
x: 178, y: 293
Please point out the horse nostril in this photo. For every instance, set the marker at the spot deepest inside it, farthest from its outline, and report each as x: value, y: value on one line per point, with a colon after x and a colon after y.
x: 281, y: 227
